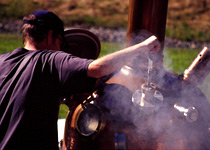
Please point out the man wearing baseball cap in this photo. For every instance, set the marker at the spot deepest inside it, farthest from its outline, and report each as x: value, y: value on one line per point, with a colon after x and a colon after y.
x: 34, y: 78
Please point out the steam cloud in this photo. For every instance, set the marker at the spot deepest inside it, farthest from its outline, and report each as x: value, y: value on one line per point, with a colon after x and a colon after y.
x: 161, y: 127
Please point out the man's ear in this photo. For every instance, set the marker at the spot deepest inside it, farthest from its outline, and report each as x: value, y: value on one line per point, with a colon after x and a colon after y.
x: 50, y: 37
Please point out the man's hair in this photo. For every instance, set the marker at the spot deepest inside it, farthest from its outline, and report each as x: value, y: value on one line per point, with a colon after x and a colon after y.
x: 37, y: 25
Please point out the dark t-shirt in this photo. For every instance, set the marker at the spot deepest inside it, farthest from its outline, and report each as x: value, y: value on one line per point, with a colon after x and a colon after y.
x: 31, y: 84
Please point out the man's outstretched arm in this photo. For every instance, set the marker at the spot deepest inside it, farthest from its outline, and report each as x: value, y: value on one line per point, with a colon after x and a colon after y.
x: 112, y: 62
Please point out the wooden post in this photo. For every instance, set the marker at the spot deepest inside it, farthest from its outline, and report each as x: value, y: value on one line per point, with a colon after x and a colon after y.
x: 146, y: 16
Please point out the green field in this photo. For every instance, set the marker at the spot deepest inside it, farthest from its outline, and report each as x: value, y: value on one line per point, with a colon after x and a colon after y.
x: 175, y: 59
x: 9, y: 42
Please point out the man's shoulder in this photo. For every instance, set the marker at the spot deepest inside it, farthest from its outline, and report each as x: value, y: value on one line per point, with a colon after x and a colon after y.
x: 3, y: 55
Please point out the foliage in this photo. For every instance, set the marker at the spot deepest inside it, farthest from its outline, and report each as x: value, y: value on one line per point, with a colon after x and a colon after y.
x: 17, y: 9
x: 187, y: 20
x: 185, y: 32
x: 84, y: 20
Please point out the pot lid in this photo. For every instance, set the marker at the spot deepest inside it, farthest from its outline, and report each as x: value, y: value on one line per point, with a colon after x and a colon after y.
x: 81, y: 43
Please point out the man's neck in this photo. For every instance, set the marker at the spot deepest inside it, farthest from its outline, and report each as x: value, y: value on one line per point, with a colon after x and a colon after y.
x: 30, y: 46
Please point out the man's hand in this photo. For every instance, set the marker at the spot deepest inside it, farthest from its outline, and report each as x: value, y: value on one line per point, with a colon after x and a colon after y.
x: 152, y: 47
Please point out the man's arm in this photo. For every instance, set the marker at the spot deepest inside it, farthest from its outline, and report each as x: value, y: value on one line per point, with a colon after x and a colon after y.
x: 112, y: 62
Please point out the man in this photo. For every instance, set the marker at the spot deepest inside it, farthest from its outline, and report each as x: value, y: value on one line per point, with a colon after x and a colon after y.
x: 33, y: 78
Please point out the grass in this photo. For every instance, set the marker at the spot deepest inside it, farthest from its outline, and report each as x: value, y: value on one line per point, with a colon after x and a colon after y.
x: 175, y: 59
x: 63, y: 111
x: 107, y: 48
x: 178, y: 59
x: 9, y: 42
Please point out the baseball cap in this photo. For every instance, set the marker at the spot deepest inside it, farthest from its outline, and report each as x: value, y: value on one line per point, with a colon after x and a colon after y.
x: 48, y: 20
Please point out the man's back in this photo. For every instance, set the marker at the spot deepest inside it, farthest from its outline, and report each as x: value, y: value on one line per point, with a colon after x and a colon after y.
x: 31, y: 83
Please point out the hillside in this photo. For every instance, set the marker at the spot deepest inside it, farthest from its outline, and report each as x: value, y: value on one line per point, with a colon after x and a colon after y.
x: 190, y: 18
x: 186, y: 20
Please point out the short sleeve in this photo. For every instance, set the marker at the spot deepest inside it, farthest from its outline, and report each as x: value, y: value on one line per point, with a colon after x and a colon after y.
x: 72, y: 74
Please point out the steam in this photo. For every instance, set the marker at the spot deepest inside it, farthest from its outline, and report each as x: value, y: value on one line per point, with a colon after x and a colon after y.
x: 167, y: 61
x: 205, y: 87
x: 159, y: 124
x: 150, y: 64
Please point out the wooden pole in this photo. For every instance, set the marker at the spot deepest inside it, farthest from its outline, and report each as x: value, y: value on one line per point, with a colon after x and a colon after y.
x: 146, y: 17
